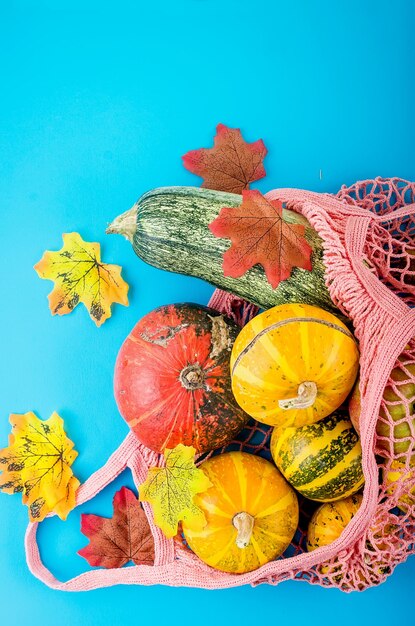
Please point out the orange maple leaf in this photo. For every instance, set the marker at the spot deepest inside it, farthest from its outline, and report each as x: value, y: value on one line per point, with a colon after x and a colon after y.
x: 260, y: 235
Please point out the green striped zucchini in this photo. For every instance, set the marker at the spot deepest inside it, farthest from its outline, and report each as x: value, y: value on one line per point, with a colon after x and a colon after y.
x: 168, y: 228
x: 322, y: 461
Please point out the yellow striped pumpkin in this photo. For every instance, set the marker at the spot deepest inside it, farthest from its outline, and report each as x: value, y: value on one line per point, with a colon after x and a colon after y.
x: 322, y: 461
x: 293, y: 365
x: 329, y: 521
x: 251, y: 513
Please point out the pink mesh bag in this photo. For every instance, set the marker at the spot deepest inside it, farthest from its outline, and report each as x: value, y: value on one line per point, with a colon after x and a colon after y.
x: 368, y: 231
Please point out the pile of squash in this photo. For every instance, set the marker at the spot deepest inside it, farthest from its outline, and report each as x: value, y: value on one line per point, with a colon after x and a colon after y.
x: 187, y: 374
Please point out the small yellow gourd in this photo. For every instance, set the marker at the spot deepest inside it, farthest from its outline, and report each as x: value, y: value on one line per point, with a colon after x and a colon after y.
x: 329, y: 521
x: 293, y: 365
x: 251, y: 513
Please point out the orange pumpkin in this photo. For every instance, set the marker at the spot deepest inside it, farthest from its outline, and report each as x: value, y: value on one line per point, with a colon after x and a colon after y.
x: 293, y: 365
x: 251, y: 513
x: 329, y: 521
x: 172, y: 382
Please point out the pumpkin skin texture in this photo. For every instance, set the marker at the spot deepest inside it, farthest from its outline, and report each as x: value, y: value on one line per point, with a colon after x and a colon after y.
x: 402, y: 434
x: 329, y: 521
x: 293, y: 365
x: 322, y: 461
x: 243, y: 485
x: 172, y: 382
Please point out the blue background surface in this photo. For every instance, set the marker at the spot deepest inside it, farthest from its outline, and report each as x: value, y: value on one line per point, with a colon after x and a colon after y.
x: 98, y: 102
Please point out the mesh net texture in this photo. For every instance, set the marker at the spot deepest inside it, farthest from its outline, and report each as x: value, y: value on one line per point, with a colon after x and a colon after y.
x: 390, y: 246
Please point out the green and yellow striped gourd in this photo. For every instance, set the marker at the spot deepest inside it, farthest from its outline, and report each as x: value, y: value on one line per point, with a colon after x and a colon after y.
x: 322, y: 461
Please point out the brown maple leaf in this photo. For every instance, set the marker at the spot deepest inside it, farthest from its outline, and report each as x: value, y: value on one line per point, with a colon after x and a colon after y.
x: 125, y: 537
x: 231, y: 164
x: 259, y: 235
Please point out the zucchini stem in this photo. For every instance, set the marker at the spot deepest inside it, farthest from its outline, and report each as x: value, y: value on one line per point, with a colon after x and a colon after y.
x: 125, y: 225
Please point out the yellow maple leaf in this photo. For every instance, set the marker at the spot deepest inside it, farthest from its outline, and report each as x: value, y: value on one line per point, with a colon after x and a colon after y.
x: 79, y: 276
x: 171, y: 489
x: 38, y: 463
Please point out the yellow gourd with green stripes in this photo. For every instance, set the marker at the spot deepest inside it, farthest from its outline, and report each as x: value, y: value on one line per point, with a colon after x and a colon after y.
x: 251, y: 513
x: 322, y: 461
x: 329, y: 521
x: 293, y: 365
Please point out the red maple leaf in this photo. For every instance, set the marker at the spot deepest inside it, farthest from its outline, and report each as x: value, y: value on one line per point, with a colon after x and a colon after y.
x: 259, y: 235
x: 231, y: 164
x: 125, y: 537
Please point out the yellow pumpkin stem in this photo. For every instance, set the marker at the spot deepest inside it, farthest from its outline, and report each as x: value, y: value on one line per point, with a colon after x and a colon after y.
x: 244, y: 524
x: 307, y: 393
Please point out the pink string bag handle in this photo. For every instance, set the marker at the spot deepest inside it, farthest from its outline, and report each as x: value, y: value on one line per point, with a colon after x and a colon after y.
x: 376, y: 539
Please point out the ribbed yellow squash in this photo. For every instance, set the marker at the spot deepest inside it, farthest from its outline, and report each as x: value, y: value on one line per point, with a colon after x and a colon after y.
x: 293, y: 365
x: 329, y: 521
x: 251, y: 513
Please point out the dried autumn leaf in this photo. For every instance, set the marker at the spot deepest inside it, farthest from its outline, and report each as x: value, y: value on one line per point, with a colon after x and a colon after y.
x: 171, y: 489
x: 113, y: 542
x: 38, y: 463
x: 260, y: 235
x: 79, y: 276
x: 231, y: 164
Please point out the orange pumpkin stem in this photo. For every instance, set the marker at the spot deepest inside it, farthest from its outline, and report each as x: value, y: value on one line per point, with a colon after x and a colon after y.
x: 244, y: 524
x: 307, y: 393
